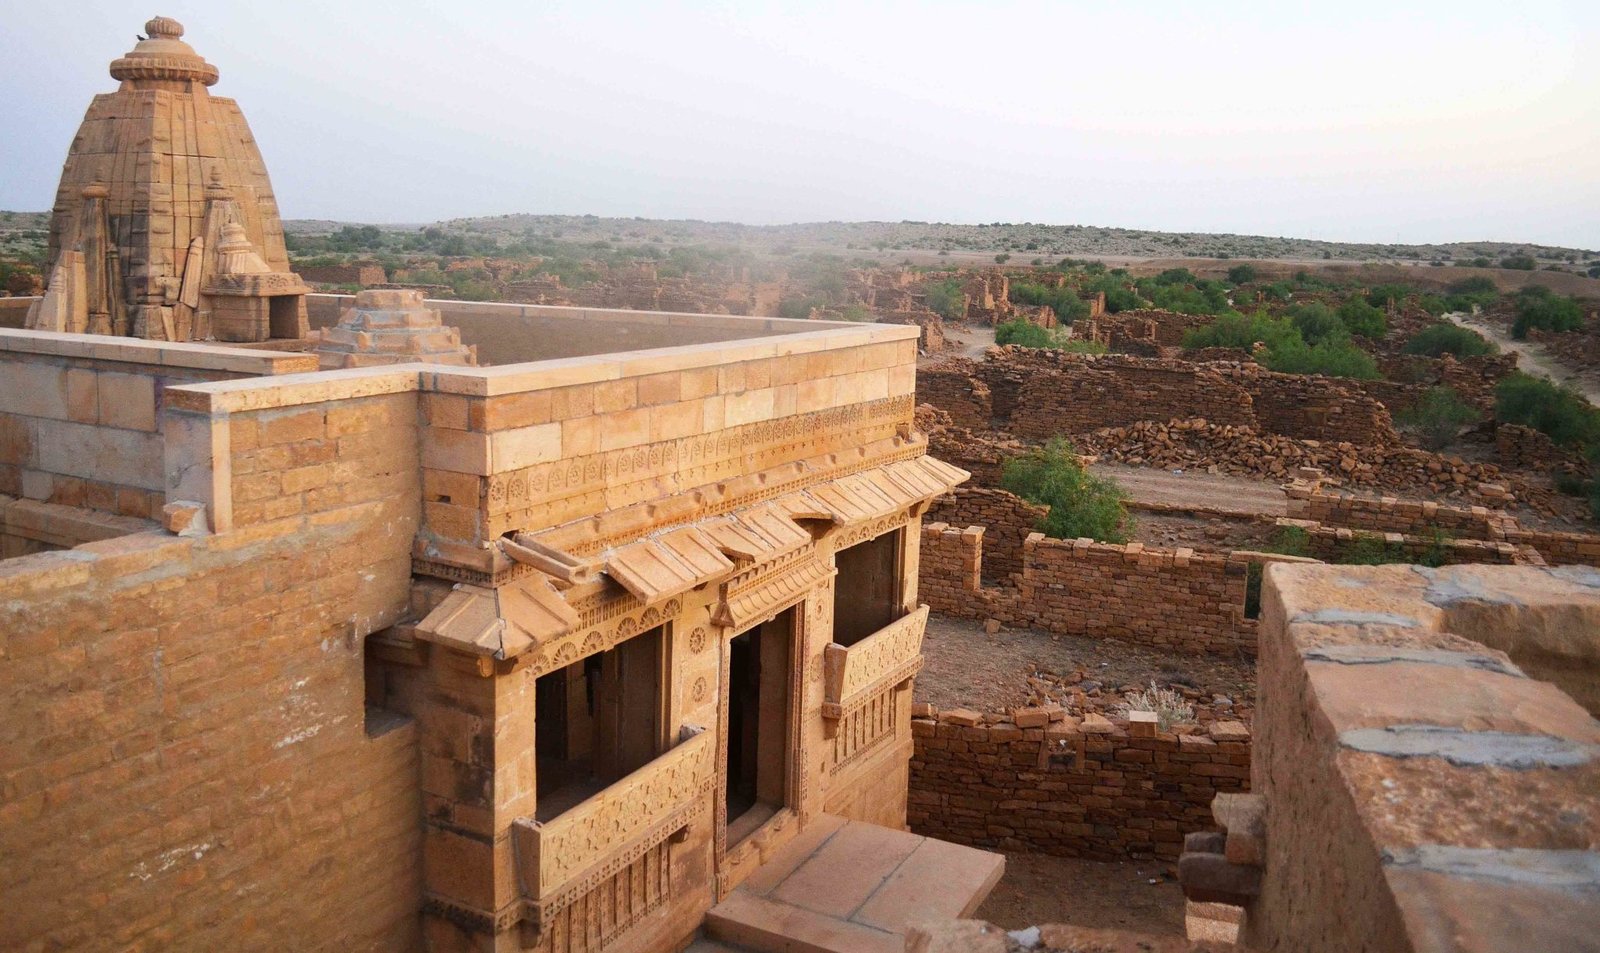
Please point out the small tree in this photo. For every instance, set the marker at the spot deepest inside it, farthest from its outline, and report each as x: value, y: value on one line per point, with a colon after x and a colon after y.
x: 1560, y: 413
x: 1361, y: 318
x: 1519, y: 262
x: 1316, y: 323
x: 946, y: 299
x: 1439, y: 416
x: 1001, y: 258
x: 1081, y: 504
x: 1539, y: 307
x: 1242, y: 274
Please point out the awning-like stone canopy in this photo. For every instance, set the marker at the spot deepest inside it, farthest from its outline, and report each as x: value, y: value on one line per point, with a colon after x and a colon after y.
x: 529, y: 611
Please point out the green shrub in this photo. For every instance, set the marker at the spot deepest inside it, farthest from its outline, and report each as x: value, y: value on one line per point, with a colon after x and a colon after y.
x: 1063, y: 301
x: 946, y: 299
x: 1237, y: 330
x: 1081, y: 504
x: 1558, y: 412
x: 1477, y: 284
x: 1242, y: 274
x: 1539, y: 307
x: 1176, y: 276
x: 1335, y: 357
x: 1002, y: 258
x: 1363, y: 319
x: 1316, y: 322
x: 1291, y: 541
x: 1519, y: 262
x: 1447, y: 338
x: 1380, y: 295
x: 1027, y: 334
x: 1439, y: 416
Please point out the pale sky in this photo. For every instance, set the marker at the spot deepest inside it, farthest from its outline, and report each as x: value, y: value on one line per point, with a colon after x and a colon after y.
x: 1353, y: 121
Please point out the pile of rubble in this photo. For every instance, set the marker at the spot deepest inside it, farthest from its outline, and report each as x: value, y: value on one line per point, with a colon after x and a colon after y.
x: 1198, y: 444
x: 1083, y: 692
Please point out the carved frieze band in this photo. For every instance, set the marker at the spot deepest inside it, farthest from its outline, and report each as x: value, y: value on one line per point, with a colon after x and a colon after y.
x: 563, y: 857
x: 886, y: 657
x: 700, y: 459
x: 609, y: 629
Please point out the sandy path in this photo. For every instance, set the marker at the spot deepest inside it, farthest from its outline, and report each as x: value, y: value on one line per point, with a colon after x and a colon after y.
x: 1231, y: 494
x: 1531, y: 356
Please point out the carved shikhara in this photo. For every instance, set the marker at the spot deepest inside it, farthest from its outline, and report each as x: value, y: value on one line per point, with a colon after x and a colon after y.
x: 528, y: 497
x: 562, y: 859
x: 854, y: 675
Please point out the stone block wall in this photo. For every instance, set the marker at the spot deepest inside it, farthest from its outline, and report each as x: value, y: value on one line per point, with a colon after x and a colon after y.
x: 184, y: 754
x: 1074, y: 788
x: 81, y: 419
x: 1392, y: 515
x: 1007, y: 520
x: 1525, y: 448
x: 1177, y: 599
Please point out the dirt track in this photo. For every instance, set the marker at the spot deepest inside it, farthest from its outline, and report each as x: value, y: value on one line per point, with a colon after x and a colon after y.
x: 1231, y: 494
x: 1531, y: 356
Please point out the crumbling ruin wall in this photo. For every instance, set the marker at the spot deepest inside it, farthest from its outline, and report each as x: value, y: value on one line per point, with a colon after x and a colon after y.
x: 1391, y: 515
x: 184, y: 717
x: 1038, y: 394
x: 955, y: 389
x: 1179, y: 599
x: 1070, y: 788
x: 1007, y: 519
x: 1525, y: 448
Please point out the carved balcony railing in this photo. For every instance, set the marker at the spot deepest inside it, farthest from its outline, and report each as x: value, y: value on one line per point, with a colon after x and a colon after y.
x: 624, y: 830
x: 854, y: 676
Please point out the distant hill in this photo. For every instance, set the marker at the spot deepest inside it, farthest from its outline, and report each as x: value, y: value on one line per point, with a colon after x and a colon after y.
x: 920, y: 240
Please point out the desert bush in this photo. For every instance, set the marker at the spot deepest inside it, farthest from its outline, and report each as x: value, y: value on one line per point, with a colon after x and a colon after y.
x: 1361, y: 318
x: 1439, y: 416
x: 1447, y: 338
x: 1560, y: 413
x: 1316, y: 322
x: 1242, y: 274
x: 1335, y: 357
x: 1063, y: 301
x: 1176, y: 276
x: 1539, y: 307
x: 1237, y: 330
x: 1477, y: 284
x: 1002, y: 258
x: 1519, y: 262
x: 1167, y: 704
x: 1027, y: 334
x: 1081, y: 504
x: 1380, y: 295
x: 946, y: 299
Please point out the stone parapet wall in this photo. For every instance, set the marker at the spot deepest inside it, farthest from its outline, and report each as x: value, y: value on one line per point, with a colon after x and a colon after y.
x: 1070, y: 787
x: 1176, y: 599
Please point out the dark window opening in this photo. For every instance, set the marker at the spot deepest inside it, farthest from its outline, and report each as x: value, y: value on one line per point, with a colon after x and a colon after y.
x: 758, y: 724
x: 283, y: 316
x: 597, y: 720
x: 866, y: 592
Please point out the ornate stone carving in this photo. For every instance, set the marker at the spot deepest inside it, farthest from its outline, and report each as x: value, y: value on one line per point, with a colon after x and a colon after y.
x: 885, y: 658
x: 565, y: 857
x: 613, y: 621
x: 697, y: 639
x: 700, y: 691
x: 764, y: 588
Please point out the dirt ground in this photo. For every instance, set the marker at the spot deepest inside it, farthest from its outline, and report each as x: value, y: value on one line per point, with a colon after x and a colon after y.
x: 1038, y: 888
x: 1209, y: 535
x: 965, y: 668
x: 1532, y: 356
x: 1219, y: 491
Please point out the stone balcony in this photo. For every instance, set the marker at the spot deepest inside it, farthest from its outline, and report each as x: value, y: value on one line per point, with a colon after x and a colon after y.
x: 561, y: 860
x: 854, y: 675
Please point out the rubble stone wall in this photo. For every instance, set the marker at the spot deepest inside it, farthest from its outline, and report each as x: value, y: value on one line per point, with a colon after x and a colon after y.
x: 1008, y: 520
x: 1176, y: 599
x: 1070, y: 788
x: 184, y: 731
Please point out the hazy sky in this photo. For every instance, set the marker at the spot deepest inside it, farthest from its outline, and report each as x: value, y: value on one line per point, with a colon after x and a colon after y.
x: 1386, y: 121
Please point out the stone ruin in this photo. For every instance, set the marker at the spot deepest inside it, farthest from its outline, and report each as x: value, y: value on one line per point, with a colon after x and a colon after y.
x: 391, y: 327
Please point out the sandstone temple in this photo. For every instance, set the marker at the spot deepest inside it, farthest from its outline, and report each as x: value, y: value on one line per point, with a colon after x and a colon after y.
x: 377, y: 623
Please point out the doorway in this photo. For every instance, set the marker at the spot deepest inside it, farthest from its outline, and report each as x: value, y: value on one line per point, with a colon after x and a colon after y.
x: 759, y: 665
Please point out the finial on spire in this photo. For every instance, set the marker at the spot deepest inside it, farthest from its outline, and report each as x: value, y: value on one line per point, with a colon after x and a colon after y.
x: 165, y: 28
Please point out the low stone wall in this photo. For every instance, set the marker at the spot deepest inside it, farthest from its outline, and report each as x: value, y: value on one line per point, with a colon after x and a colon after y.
x: 1069, y: 787
x: 1524, y: 448
x: 1337, y: 544
x: 1007, y: 519
x: 1177, y: 599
